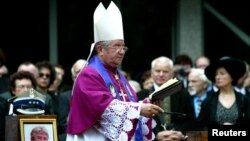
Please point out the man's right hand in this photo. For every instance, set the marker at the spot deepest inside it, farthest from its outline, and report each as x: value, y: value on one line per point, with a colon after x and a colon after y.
x: 150, y: 110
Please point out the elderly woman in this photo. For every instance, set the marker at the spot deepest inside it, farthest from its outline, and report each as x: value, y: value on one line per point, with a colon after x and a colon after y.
x: 225, y: 106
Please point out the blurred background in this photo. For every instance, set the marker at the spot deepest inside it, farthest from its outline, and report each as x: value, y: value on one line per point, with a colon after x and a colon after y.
x: 61, y: 31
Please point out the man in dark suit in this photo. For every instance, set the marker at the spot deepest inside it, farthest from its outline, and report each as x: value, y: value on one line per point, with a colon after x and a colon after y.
x: 162, y: 70
x: 198, y: 86
x: 64, y: 101
x: 3, y: 113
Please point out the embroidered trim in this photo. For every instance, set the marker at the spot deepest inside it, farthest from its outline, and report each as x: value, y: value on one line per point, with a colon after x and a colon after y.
x: 117, y: 120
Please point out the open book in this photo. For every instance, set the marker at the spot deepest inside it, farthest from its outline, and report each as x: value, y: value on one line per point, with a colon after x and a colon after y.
x: 170, y: 87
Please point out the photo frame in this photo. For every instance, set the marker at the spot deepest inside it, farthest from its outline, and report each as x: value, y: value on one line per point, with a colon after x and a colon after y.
x: 45, y: 127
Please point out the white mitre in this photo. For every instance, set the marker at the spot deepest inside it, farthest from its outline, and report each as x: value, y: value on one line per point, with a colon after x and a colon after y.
x: 107, y: 23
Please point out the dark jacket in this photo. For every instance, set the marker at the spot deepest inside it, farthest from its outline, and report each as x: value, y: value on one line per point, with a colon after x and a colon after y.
x: 3, y: 113
x: 207, y: 115
x: 64, y: 106
x: 191, y: 122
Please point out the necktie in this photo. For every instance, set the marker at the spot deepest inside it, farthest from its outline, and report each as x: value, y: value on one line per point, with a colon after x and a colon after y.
x: 199, y: 101
x: 166, y: 106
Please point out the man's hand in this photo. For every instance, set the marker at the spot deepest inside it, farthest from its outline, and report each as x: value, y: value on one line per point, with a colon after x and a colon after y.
x: 150, y: 110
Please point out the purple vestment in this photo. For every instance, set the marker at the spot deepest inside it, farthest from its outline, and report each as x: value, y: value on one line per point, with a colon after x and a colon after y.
x: 90, y: 98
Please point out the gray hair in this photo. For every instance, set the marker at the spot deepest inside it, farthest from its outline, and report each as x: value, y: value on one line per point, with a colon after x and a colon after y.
x: 38, y: 129
x: 201, y: 73
x: 103, y: 43
x: 162, y: 59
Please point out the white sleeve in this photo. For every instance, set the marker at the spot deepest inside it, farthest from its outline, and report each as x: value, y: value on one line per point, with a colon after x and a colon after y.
x: 117, y: 119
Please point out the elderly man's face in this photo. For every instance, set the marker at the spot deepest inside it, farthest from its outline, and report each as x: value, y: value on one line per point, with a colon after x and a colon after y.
x: 161, y: 73
x: 195, y: 84
x: 114, y: 53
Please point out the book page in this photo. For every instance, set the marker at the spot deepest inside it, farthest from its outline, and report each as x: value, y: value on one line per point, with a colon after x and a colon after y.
x: 165, y: 85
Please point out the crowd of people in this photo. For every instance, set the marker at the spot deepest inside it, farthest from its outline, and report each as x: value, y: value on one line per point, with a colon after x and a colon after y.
x: 104, y: 103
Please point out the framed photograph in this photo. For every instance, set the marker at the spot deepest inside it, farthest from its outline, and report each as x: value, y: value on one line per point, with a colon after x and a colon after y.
x: 38, y: 129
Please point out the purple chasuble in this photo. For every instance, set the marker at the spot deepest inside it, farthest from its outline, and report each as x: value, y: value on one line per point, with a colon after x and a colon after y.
x: 90, y: 98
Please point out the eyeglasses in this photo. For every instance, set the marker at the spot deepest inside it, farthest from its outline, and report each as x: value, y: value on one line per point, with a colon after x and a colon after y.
x: 24, y: 86
x: 43, y: 74
x: 119, y: 48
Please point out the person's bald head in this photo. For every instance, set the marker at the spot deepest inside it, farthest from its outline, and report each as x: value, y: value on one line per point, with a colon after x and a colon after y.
x: 29, y: 67
x: 77, y: 67
x: 202, y: 62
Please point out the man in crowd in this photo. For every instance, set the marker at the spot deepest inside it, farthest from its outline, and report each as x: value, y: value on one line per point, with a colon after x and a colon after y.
x: 162, y: 70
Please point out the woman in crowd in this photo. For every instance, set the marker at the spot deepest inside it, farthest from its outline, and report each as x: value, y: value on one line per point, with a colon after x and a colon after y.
x: 225, y: 106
